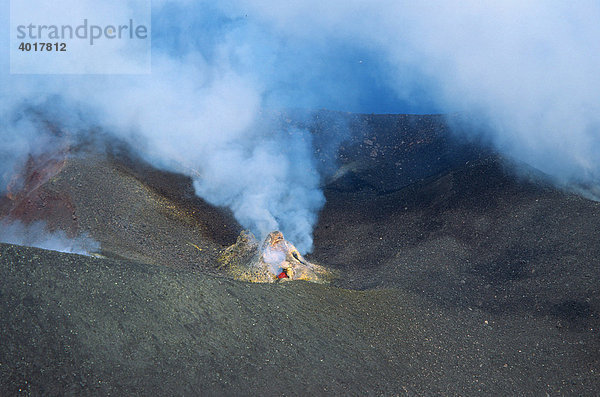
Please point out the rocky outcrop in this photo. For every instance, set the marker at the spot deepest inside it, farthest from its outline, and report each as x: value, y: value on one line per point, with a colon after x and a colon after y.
x: 275, y: 260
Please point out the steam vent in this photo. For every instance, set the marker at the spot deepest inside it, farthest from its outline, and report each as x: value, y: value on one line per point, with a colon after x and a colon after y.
x: 274, y: 260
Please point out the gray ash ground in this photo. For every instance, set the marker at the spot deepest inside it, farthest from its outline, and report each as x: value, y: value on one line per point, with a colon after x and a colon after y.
x: 456, y: 278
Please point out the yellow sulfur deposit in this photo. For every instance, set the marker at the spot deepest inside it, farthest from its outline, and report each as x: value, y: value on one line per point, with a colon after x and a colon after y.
x: 276, y: 259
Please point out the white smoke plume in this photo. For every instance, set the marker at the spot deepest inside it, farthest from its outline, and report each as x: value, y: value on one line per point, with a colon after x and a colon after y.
x: 37, y: 235
x: 525, y: 71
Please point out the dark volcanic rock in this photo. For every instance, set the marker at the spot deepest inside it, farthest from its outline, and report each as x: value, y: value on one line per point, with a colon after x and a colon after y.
x: 75, y: 325
x: 388, y: 152
x: 476, y: 236
x: 133, y: 210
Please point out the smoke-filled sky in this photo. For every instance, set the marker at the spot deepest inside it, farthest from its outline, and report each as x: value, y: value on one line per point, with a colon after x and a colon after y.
x: 526, y: 72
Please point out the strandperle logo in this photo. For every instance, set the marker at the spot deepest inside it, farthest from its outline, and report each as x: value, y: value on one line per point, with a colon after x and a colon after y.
x: 84, y: 31
x: 80, y: 37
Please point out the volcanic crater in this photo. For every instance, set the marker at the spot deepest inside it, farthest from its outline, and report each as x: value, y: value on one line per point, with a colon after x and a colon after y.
x: 453, y: 275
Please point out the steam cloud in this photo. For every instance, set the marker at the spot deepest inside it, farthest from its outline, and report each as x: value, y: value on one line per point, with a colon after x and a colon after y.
x: 37, y: 235
x: 525, y: 73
